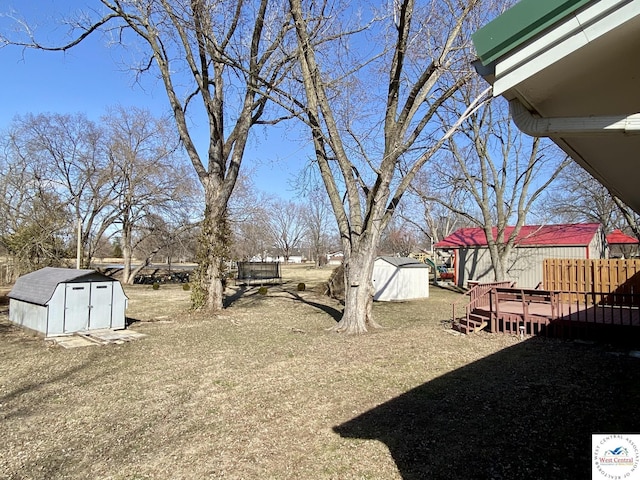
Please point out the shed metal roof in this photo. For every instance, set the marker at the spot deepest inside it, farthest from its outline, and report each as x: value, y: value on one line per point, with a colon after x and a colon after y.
x: 403, y: 262
x: 618, y: 238
x: 530, y: 236
x: 38, y: 287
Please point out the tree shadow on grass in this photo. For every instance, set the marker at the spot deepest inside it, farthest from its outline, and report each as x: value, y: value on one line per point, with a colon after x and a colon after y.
x: 237, y: 295
x: 329, y: 310
x: 40, y: 388
x: 6, y: 327
x: 128, y: 321
x: 526, y: 412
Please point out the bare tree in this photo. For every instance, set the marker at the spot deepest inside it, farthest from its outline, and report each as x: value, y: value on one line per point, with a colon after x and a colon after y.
x: 502, y: 173
x: 249, y: 219
x: 432, y: 219
x: 371, y: 108
x: 578, y: 197
x: 399, y: 239
x: 35, y: 225
x: 65, y: 156
x: 155, y: 235
x: 317, y: 215
x: 287, y: 226
x: 213, y: 57
x: 631, y: 217
x: 150, y: 179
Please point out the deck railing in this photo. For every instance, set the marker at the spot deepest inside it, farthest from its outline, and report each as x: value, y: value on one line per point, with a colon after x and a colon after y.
x: 479, y: 297
x: 600, y: 307
x: 527, y: 320
x: 569, y: 315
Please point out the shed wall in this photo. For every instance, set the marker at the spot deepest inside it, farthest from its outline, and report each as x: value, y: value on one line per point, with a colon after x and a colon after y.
x: 119, y: 304
x: 598, y: 247
x: 28, y: 315
x: 56, y: 312
x: 393, y: 283
x: 524, y: 266
x: 414, y: 282
x: 383, y: 280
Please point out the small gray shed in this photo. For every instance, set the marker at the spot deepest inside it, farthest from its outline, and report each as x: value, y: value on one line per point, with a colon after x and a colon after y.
x: 61, y: 301
x: 400, y: 278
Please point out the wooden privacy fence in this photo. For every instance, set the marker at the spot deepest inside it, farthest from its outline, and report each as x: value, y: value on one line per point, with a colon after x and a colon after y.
x: 599, y: 278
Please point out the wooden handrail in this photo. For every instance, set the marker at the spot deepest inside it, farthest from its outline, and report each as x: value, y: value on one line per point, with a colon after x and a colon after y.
x: 479, y: 297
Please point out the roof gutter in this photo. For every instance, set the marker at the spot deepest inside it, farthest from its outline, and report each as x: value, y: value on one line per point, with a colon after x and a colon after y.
x: 572, y: 126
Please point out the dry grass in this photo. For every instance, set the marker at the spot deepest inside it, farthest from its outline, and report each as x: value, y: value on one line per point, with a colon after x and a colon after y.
x: 265, y: 391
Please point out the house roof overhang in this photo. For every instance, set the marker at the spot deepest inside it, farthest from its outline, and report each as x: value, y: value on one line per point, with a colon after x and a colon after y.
x: 570, y: 72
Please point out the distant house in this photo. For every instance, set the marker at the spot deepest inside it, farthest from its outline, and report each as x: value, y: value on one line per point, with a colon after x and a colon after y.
x: 335, y: 258
x: 622, y: 245
x: 277, y: 258
x: 534, y: 243
x: 400, y: 278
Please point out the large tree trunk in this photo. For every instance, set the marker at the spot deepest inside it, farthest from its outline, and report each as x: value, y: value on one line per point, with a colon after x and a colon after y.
x: 127, y: 278
x: 498, y: 260
x: 208, y: 289
x: 127, y: 252
x: 358, y: 291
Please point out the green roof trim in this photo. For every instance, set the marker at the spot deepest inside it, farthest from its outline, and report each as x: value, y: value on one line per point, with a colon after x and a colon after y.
x: 520, y: 23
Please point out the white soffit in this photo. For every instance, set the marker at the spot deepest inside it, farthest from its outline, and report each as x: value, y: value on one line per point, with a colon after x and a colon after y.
x: 567, y: 37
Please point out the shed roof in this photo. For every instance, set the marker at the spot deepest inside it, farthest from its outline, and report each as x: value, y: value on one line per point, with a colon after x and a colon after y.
x: 618, y: 238
x: 403, y: 262
x: 38, y: 287
x: 579, y: 234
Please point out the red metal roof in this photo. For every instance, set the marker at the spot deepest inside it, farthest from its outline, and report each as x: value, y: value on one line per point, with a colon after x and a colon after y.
x: 617, y: 237
x: 579, y: 234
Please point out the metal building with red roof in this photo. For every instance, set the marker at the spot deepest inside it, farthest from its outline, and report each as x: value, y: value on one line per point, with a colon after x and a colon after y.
x: 622, y: 245
x: 534, y: 243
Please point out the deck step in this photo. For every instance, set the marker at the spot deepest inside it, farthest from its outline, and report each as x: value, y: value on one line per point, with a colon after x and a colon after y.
x: 478, y: 318
x: 472, y: 324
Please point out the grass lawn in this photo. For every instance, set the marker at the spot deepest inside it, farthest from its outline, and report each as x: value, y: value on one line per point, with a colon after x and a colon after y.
x: 265, y: 391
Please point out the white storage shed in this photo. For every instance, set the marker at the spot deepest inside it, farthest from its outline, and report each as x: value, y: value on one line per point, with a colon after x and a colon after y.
x: 400, y: 278
x: 62, y: 301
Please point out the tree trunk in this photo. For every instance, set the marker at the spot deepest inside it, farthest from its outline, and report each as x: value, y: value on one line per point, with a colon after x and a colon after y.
x: 357, y: 316
x: 126, y: 265
x: 127, y: 251
x: 213, y: 250
x: 498, y: 260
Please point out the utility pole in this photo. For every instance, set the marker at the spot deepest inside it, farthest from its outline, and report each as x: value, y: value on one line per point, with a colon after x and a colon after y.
x: 79, y: 245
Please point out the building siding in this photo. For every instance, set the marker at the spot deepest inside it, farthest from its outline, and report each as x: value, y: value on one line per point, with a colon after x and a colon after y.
x: 524, y: 266
x: 393, y: 282
x: 28, y: 315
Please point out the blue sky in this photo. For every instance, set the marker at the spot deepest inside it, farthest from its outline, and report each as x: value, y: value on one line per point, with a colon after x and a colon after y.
x: 88, y: 79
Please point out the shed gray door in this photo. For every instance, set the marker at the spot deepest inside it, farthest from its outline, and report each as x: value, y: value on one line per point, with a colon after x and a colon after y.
x: 100, y: 314
x: 76, y: 307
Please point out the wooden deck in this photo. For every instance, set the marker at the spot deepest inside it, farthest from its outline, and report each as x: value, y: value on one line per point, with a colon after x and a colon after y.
x: 592, y: 316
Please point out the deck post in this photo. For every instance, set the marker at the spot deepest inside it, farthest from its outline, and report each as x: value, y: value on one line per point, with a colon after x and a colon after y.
x: 494, y: 312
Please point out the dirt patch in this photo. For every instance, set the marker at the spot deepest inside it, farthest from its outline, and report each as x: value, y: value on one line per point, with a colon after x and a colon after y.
x: 264, y: 390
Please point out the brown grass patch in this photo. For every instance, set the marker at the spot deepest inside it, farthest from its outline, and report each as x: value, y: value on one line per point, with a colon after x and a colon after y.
x: 266, y: 391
